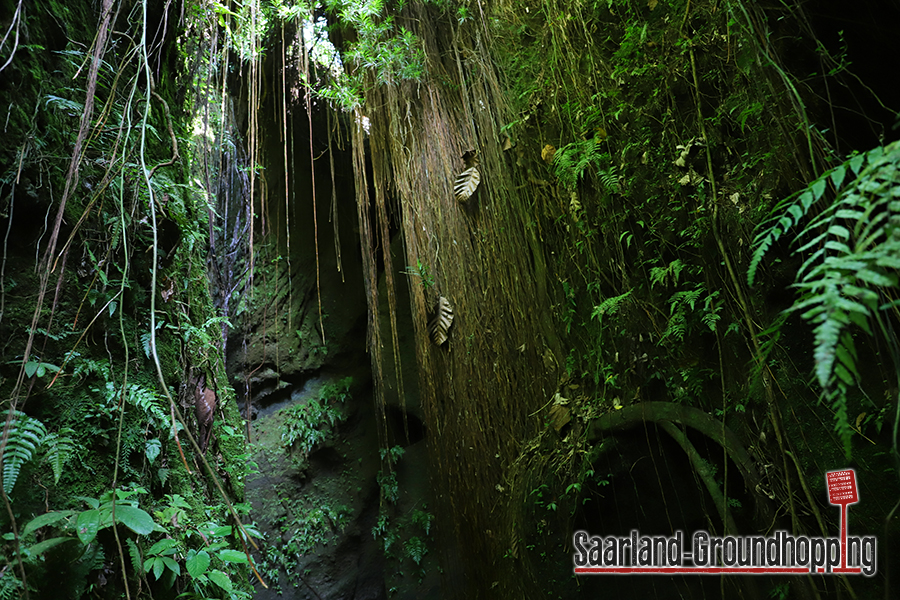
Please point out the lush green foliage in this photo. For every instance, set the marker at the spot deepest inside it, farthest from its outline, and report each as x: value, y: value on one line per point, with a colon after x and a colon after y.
x: 25, y: 435
x: 571, y: 161
x: 91, y: 404
x: 302, y: 525
x: 851, y: 252
x: 163, y: 558
x: 310, y: 423
x: 385, y: 48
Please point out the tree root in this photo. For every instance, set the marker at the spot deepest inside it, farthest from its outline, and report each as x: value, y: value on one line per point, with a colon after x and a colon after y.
x: 663, y: 412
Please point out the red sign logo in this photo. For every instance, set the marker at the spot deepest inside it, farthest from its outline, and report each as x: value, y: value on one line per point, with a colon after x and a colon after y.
x: 842, y: 487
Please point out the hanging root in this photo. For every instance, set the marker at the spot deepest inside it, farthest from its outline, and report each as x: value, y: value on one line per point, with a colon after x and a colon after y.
x: 662, y: 412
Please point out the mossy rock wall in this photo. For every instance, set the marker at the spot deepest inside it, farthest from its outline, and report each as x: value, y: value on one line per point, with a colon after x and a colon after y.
x: 90, y: 378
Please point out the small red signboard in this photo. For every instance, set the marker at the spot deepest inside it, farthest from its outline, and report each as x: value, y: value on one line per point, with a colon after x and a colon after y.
x: 842, y: 487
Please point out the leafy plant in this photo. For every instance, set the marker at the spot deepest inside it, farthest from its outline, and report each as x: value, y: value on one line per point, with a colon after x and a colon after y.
x: 679, y: 304
x: 667, y: 274
x: 149, y: 402
x: 712, y: 306
x: 415, y: 549
x: 387, y: 482
x: 161, y: 559
x: 416, y: 525
x: 571, y: 161
x: 423, y: 519
x: 854, y: 246
x: 311, y: 423
x: 88, y: 523
x: 59, y: 447
x: 421, y: 271
x: 388, y: 52
x: 10, y: 586
x: 39, y: 368
x: 788, y: 213
x: 25, y: 436
x: 305, y: 524
x: 610, y: 306
x: 384, y: 530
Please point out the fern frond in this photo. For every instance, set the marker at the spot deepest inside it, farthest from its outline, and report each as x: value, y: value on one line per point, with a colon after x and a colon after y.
x: 711, y: 311
x: 572, y: 160
x: 60, y: 447
x: 145, y: 342
x: 788, y: 213
x: 836, y: 398
x: 688, y: 297
x: 676, y: 327
x: 135, y: 554
x: 609, y: 179
x: 610, y: 305
x: 855, y: 244
x: 25, y: 435
x: 669, y: 273
x: 790, y: 216
x: 149, y: 402
x: 10, y: 586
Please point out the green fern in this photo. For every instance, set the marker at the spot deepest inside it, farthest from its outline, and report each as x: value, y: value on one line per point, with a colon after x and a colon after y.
x: 10, y: 586
x: 677, y: 326
x: 572, y: 160
x: 855, y: 255
x: 145, y: 343
x: 610, y: 306
x: 59, y: 447
x: 670, y: 273
x: 609, y: 179
x: 25, y: 436
x: 678, y: 302
x: 788, y: 213
x: 135, y: 554
x: 149, y: 402
x: 711, y: 310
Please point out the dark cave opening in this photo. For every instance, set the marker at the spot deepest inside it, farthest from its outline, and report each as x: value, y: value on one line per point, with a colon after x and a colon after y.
x: 644, y: 467
x: 404, y: 428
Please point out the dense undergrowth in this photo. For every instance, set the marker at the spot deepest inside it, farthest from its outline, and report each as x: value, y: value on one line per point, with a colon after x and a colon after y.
x: 642, y: 166
x: 116, y: 483
x: 637, y: 153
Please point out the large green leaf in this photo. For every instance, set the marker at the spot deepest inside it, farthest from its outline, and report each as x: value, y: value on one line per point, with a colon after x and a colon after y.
x: 235, y: 556
x: 220, y: 579
x: 173, y: 566
x: 163, y: 547
x: 42, y: 547
x: 87, y: 525
x: 158, y: 566
x: 135, y: 519
x: 197, y: 564
x: 46, y: 519
x: 31, y: 368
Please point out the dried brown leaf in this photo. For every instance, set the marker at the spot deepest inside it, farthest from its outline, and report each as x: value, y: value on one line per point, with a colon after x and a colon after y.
x: 559, y: 416
x: 466, y: 183
x: 440, y: 324
x: 548, y: 153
